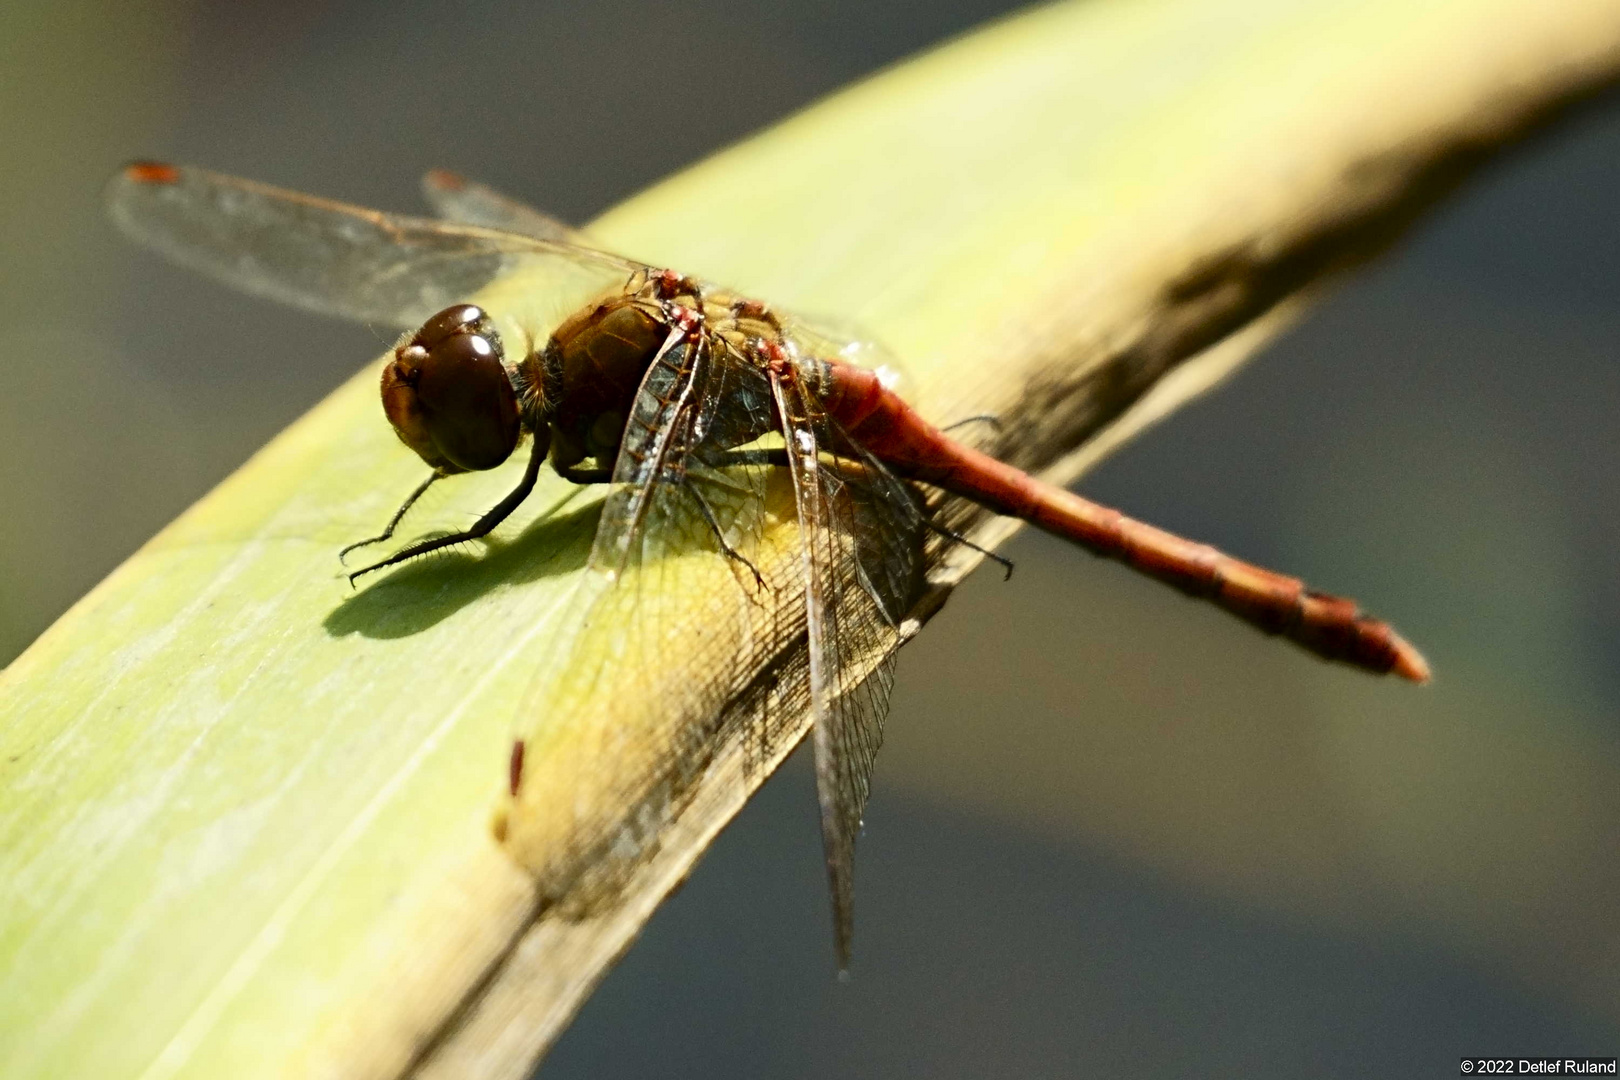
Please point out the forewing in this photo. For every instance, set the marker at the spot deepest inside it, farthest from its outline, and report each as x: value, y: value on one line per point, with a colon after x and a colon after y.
x: 338, y: 259
x: 456, y: 198
x: 680, y: 609
x: 860, y: 534
x: 658, y: 436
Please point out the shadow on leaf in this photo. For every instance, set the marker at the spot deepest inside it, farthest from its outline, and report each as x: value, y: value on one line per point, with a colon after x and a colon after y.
x: 420, y: 594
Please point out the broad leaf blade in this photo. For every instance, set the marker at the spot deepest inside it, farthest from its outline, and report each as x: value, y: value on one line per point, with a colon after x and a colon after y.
x: 245, y: 814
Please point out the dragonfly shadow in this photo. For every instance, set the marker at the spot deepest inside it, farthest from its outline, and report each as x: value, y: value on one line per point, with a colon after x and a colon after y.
x: 420, y: 594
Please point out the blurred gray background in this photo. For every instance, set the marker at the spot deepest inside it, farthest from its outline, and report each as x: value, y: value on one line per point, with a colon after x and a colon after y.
x: 1112, y: 832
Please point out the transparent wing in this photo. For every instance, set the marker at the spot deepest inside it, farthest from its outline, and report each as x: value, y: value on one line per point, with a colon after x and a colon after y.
x: 339, y: 259
x: 706, y: 568
x: 860, y: 534
x: 678, y: 611
x: 456, y: 198
x: 698, y: 406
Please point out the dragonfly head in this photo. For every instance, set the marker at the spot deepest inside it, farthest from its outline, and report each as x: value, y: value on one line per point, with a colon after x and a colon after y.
x: 447, y: 393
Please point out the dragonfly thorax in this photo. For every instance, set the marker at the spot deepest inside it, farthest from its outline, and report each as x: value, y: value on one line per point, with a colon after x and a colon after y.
x: 590, y: 371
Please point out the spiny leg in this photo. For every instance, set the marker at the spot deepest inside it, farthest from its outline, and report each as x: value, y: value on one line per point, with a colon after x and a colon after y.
x: 576, y: 475
x: 393, y: 522
x: 720, y: 537
x: 668, y: 284
x: 774, y: 457
x: 957, y: 538
x: 496, y: 514
x: 990, y: 419
x: 756, y: 310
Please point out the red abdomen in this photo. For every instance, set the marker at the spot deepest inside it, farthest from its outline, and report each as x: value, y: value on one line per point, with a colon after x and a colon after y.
x: 1330, y: 626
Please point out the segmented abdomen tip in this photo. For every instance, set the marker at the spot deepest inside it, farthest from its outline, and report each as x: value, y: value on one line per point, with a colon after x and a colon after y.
x: 1409, y: 663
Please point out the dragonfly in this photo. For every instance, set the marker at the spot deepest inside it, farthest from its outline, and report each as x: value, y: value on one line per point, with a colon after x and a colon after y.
x: 708, y: 416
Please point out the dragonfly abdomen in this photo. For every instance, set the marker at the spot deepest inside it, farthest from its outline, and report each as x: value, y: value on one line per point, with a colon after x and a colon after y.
x: 1333, y: 627
x: 1330, y: 626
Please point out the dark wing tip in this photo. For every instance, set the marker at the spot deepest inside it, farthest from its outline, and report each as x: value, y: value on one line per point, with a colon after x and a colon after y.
x: 151, y: 172
x: 443, y: 180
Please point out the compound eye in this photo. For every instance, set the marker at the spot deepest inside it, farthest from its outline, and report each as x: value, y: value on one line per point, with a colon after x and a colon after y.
x: 448, y: 395
x: 458, y: 318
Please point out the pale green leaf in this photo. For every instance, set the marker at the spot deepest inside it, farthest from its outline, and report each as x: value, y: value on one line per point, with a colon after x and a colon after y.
x: 246, y: 812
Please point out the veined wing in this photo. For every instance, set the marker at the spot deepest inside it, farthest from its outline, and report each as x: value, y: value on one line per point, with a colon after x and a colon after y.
x: 860, y: 532
x: 680, y: 610
x: 338, y: 259
x: 710, y: 560
x: 698, y: 405
x: 456, y: 198
x: 660, y: 433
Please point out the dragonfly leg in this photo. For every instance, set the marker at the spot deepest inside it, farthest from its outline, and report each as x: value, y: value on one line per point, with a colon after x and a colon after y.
x: 495, y: 515
x: 668, y: 284
x: 753, y: 309
x: 957, y: 538
x: 776, y: 458
x: 720, y: 537
x: 990, y: 419
x: 574, y: 474
x: 393, y: 522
